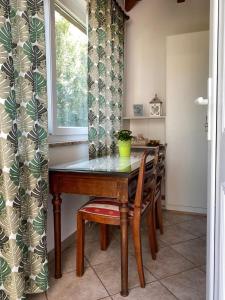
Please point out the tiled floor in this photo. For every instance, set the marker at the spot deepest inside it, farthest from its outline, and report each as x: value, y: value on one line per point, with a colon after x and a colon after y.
x: 178, y: 272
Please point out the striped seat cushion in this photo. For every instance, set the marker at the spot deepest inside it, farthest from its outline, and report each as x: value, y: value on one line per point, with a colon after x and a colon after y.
x: 108, y: 207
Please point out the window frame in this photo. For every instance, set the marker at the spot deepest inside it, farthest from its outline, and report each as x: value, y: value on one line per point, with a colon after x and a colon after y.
x: 50, y: 8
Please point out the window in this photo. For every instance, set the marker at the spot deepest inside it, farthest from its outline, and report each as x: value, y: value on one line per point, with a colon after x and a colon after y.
x: 67, y: 60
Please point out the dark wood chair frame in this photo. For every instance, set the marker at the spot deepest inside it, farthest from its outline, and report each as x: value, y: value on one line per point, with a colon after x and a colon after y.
x: 146, y: 182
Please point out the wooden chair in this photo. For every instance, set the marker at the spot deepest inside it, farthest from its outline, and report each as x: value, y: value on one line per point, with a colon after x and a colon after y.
x: 160, y: 178
x: 158, y: 195
x: 106, y: 212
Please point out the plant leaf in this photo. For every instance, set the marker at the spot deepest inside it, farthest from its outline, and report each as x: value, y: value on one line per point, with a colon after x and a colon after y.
x: 12, y: 254
x: 38, y: 134
x: 37, y: 80
x: 35, y: 6
x: 36, y: 29
x: 14, y: 285
x: 11, y: 106
x: 39, y: 222
x: 2, y: 202
x: 3, y: 295
x: 4, y: 270
x: 40, y: 191
x: 34, y: 53
x: 15, y: 172
x: 19, y: 197
x: 8, y: 69
x: 35, y: 109
x: 10, y: 220
x: 3, y: 238
x: 13, y: 136
x: 41, y: 249
x: 42, y: 278
x: 6, y: 37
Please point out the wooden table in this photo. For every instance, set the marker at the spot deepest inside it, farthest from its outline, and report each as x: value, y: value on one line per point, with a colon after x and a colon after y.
x: 102, y: 177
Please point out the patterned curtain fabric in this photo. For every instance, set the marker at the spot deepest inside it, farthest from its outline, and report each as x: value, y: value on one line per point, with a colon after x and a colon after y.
x: 105, y: 74
x: 23, y: 149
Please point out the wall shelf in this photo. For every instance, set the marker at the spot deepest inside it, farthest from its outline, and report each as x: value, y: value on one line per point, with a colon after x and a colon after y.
x: 143, y: 118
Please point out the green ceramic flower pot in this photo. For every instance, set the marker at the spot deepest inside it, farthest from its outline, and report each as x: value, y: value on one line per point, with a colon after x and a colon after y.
x: 124, y: 148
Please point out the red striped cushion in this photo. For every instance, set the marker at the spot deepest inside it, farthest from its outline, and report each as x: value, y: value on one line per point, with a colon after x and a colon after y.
x: 103, y: 207
x: 107, y: 207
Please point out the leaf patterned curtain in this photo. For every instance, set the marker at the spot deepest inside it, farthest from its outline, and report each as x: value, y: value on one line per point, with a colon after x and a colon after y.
x: 23, y: 149
x: 105, y: 75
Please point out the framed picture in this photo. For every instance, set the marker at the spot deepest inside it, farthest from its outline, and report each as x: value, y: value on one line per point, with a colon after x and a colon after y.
x: 138, y: 110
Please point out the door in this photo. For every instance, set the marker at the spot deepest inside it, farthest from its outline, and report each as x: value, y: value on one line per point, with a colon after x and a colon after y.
x: 187, y: 75
x: 216, y: 142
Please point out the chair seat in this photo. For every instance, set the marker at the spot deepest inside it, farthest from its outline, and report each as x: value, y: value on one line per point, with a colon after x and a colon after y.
x: 108, y: 207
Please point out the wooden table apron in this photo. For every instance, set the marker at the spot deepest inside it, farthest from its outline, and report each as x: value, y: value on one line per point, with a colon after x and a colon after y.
x: 95, y: 184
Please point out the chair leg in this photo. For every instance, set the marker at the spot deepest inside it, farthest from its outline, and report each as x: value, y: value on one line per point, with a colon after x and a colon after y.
x: 80, y: 244
x: 138, y: 252
x: 159, y: 214
x: 154, y: 226
x: 104, y: 236
x: 156, y: 217
x: 151, y: 233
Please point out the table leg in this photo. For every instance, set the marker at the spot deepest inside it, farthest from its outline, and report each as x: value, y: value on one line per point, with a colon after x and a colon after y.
x: 56, y: 201
x: 124, y: 249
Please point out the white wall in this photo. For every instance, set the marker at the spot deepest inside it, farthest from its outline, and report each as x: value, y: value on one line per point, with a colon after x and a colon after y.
x: 186, y: 159
x: 151, y: 21
x: 70, y: 203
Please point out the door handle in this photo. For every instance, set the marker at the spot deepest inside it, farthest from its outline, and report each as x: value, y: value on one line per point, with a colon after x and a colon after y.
x: 209, y: 135
x: 201, y: 101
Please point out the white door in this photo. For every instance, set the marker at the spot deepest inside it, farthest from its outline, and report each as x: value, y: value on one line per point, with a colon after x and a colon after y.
x: 216, y: 173
x: 187, y: 75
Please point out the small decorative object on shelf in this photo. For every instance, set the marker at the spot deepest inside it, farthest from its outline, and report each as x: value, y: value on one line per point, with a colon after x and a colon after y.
x: 155, y: 107
x: 153, y: 143
x: 124, y: 142
x: 138, y: 110
x: 139, y: 140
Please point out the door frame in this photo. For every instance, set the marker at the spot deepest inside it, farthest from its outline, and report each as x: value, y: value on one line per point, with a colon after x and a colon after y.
x: 216, y: 191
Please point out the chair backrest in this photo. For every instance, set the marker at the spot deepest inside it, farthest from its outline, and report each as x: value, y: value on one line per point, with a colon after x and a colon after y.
x: 146, y: 180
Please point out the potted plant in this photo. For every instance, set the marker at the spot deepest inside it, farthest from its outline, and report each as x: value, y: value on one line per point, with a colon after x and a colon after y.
x: 124, y: 142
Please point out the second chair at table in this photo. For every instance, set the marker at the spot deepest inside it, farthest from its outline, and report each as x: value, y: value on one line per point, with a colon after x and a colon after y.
x: 106, y: 211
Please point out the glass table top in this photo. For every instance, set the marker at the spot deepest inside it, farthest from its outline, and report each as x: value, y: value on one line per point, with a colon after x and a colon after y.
x: 111, y: 164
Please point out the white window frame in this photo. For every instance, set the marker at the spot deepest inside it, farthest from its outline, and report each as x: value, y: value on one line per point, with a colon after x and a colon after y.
x: 50, y: 7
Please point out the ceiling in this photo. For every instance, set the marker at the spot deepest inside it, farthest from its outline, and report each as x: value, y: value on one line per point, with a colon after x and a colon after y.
x: 129, y: 4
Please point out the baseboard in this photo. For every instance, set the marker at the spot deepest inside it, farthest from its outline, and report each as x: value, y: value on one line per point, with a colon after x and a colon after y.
x: 186, y: 209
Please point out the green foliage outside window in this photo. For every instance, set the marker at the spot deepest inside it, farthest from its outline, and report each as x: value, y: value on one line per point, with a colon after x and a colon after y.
x: 71, y: 74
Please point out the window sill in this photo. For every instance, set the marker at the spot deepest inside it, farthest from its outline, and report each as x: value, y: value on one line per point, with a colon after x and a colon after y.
x: 58, y: 141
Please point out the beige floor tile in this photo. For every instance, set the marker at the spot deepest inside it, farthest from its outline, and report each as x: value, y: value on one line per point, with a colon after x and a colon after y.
x: 92, y: 232
x: 175, y: 234
x: 203, y: 268
x: 194, y: 250
x: 145, y: 244
x: 166, y: 222
x: 96, y: 256
x: 171, y: 217
x: 41, y: 296
x: 153, y: 291
x: 196, y: 227
x: 68, y: 261
x: 168, y: 262
x: 70, y: 287
x: 110, y: 275
x: 188, y: 285
x: 144, y: 237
